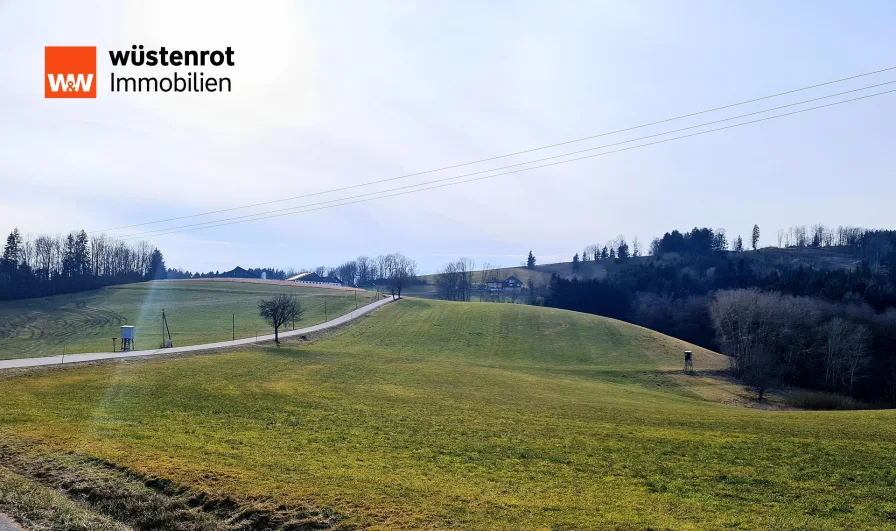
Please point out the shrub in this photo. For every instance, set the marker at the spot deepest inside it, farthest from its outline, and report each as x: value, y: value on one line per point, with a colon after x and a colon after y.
x: 820, y: 400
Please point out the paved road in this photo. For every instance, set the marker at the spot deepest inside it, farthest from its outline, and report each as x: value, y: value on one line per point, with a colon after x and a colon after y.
x: 6, y: 524
x: 80, y: 358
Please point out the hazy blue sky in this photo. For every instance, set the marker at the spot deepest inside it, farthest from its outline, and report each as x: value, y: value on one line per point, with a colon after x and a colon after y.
x: 329, y: 94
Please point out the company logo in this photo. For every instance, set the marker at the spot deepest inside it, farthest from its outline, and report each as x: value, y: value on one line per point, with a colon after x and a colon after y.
x: 70, y: 71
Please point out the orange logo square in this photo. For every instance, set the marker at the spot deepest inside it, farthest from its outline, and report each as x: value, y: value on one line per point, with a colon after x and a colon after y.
x: 70, y: 71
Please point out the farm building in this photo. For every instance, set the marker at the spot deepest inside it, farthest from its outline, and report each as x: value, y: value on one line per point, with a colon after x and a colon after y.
x: 495, y: 285
x: 512, y: 282
x: 236, y: 272
x: 314, y: 278
x: 509, y: 283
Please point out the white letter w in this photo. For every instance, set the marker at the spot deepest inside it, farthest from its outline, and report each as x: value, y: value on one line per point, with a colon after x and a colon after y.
x: 78, y: 84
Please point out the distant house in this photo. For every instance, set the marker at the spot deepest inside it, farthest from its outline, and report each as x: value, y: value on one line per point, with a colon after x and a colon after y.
x: 314, y: 278
x: 512, y: 282
x: 509, y: 283
x: 495, y: 285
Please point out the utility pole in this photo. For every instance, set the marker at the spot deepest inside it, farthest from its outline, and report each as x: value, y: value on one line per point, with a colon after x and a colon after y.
x: 164, y: 330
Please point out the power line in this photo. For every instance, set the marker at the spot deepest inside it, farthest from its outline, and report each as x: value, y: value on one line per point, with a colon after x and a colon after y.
x: 370, y: 183
x: 177, y: 230
x: 247, y: 216
x: 181, y: 229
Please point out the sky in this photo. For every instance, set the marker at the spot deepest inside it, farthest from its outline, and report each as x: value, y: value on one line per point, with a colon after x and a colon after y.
x: 333, y: 94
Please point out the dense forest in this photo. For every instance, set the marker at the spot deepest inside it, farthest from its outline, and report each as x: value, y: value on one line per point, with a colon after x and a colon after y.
x: 50, y: 265
x: 797, y: 323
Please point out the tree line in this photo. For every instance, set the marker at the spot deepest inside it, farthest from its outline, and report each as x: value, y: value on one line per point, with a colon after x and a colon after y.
x: 46, y: 265
x: 361, y: 272
x: 773, y: 338
x: 271, y: 273
x: 392, y: 272
x: 454, y: 282
x: 365, y: 271
x: 613, y: 249
x: 781, y: 322
x: 819, y: 235
x: 874, y: 247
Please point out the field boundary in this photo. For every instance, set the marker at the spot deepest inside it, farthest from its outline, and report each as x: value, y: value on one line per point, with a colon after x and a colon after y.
x: 265, y: 282
x: 96, y: 356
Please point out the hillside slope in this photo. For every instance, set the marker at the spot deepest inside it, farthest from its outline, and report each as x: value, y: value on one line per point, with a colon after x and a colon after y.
x: 762, y: 261
x: 438, y: 415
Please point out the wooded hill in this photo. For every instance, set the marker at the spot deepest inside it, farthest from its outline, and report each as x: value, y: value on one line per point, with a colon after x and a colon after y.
x: 51, y: 265
x: 817, y: 316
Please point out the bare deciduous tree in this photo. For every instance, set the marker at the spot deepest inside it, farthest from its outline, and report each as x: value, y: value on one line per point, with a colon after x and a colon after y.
x: 795, y: 332
x: 753, y: 327
x: 401, y: 270
x: 278, y: 311
x: 801, y: 236
x: 455, y: 281
x: 762, y: 372
x: 846, y: 352
x: 484, y: 276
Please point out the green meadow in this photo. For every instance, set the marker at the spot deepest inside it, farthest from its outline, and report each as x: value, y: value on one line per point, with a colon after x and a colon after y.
x: 198, y: 311
x: 438, y: 415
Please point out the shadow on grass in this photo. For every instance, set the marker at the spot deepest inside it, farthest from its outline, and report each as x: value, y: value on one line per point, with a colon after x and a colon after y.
x: 142, y: 502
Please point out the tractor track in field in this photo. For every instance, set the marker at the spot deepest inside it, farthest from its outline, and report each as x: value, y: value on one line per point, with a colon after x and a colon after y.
x: 122, y: 498
x: 64, y: 321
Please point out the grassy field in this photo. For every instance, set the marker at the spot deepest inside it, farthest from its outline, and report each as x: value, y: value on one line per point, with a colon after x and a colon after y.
x: 438, y: 415
x: 198, y: 311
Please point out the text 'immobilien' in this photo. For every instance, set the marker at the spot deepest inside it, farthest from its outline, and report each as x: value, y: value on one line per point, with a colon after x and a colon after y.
x: 187, y: 82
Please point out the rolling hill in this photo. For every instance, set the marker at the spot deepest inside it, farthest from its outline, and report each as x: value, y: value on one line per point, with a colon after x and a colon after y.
x: 198, y: 311
x: 440, y: 415
x: 762, y: 261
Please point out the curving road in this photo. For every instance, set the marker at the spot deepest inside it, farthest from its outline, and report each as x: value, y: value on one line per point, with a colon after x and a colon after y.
x: 95, y: 356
